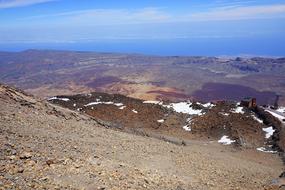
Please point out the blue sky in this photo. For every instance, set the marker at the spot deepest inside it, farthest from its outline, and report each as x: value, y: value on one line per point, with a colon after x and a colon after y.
x: 77, y: 21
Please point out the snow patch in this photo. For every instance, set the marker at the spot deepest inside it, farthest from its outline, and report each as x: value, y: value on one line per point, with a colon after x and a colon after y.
x: 135, y: 111
x: 187, y: 128
x: 238, y: 109
x: 262, y: 149
x: 93, y: 103
x: 107, y: 103
x: 225, y: 114
x: 56, y: 98
x: 118, y: 104
x: 257, y: 119
x: 269, y: 132
x: 280, y: 117
x: 182, y: 107
x: 226, y: 140
x: 281, y: 109
x: 185, y: 107
x: 122, y: 107
x: 153, y: 102
x: 189, y: 120
x: 160, y: 120
x: 206, y: 105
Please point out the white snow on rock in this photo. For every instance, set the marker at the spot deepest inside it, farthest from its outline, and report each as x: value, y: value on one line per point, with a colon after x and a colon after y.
x: 56, y: 98
x: 206, y: 105
x: 187, y: 128
x: 182, y: 107
x: 122, y: 107
x: 269, y: 132
x: 135, y: 111
x: 262, y: 149
x: 93, y: 103
x: 160, y: 120
x: 257, y: 119
x: 238, y: 109
x: 185, y: 107
x: 225, y: 114
x: 189, y: 120
x: 226, y: 140
x: 280, y: 117
x: 74, y: 105
x: 153, y: 102
x: 281, y: 109
x: 118, y: 104
x: 107, y: 103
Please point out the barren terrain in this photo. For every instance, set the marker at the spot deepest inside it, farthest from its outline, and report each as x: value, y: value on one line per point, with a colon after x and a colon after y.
x: 49, y: 73
x: 204, y: 121
x: 47, y: 146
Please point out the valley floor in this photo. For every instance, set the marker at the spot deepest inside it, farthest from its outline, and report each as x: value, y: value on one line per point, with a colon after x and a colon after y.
x: 46, y: 146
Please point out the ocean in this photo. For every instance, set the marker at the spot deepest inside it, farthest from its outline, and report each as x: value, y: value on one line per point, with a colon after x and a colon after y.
x: 173, y: 47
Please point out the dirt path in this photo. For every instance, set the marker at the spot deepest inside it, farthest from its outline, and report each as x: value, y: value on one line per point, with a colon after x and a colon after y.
x: 45, y: 146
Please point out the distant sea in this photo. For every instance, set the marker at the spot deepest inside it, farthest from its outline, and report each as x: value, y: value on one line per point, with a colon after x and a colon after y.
x: 203, y: 46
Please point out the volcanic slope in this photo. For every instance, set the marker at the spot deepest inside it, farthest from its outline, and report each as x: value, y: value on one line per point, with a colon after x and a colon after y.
x: 175, y: 122
x: 44, y: 146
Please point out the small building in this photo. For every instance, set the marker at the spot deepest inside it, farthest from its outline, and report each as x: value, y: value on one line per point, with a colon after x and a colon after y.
x: 248, y: 102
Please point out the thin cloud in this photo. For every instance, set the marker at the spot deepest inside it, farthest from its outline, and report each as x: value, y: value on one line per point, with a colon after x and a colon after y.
x: 240, y: 13
x: 107, y: 16
x: 157, y: 15
x: 4, y: 4
x: 146, y: 15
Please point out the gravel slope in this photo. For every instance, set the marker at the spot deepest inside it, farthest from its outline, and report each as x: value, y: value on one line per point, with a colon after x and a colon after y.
x: 45, y: 146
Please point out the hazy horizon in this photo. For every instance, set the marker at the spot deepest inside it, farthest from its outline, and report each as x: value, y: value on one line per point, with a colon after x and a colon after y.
x: 181, y: 47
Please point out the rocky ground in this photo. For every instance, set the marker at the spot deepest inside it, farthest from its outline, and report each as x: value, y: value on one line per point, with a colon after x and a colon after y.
x: 44, y: 146
x: 182, y: 120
